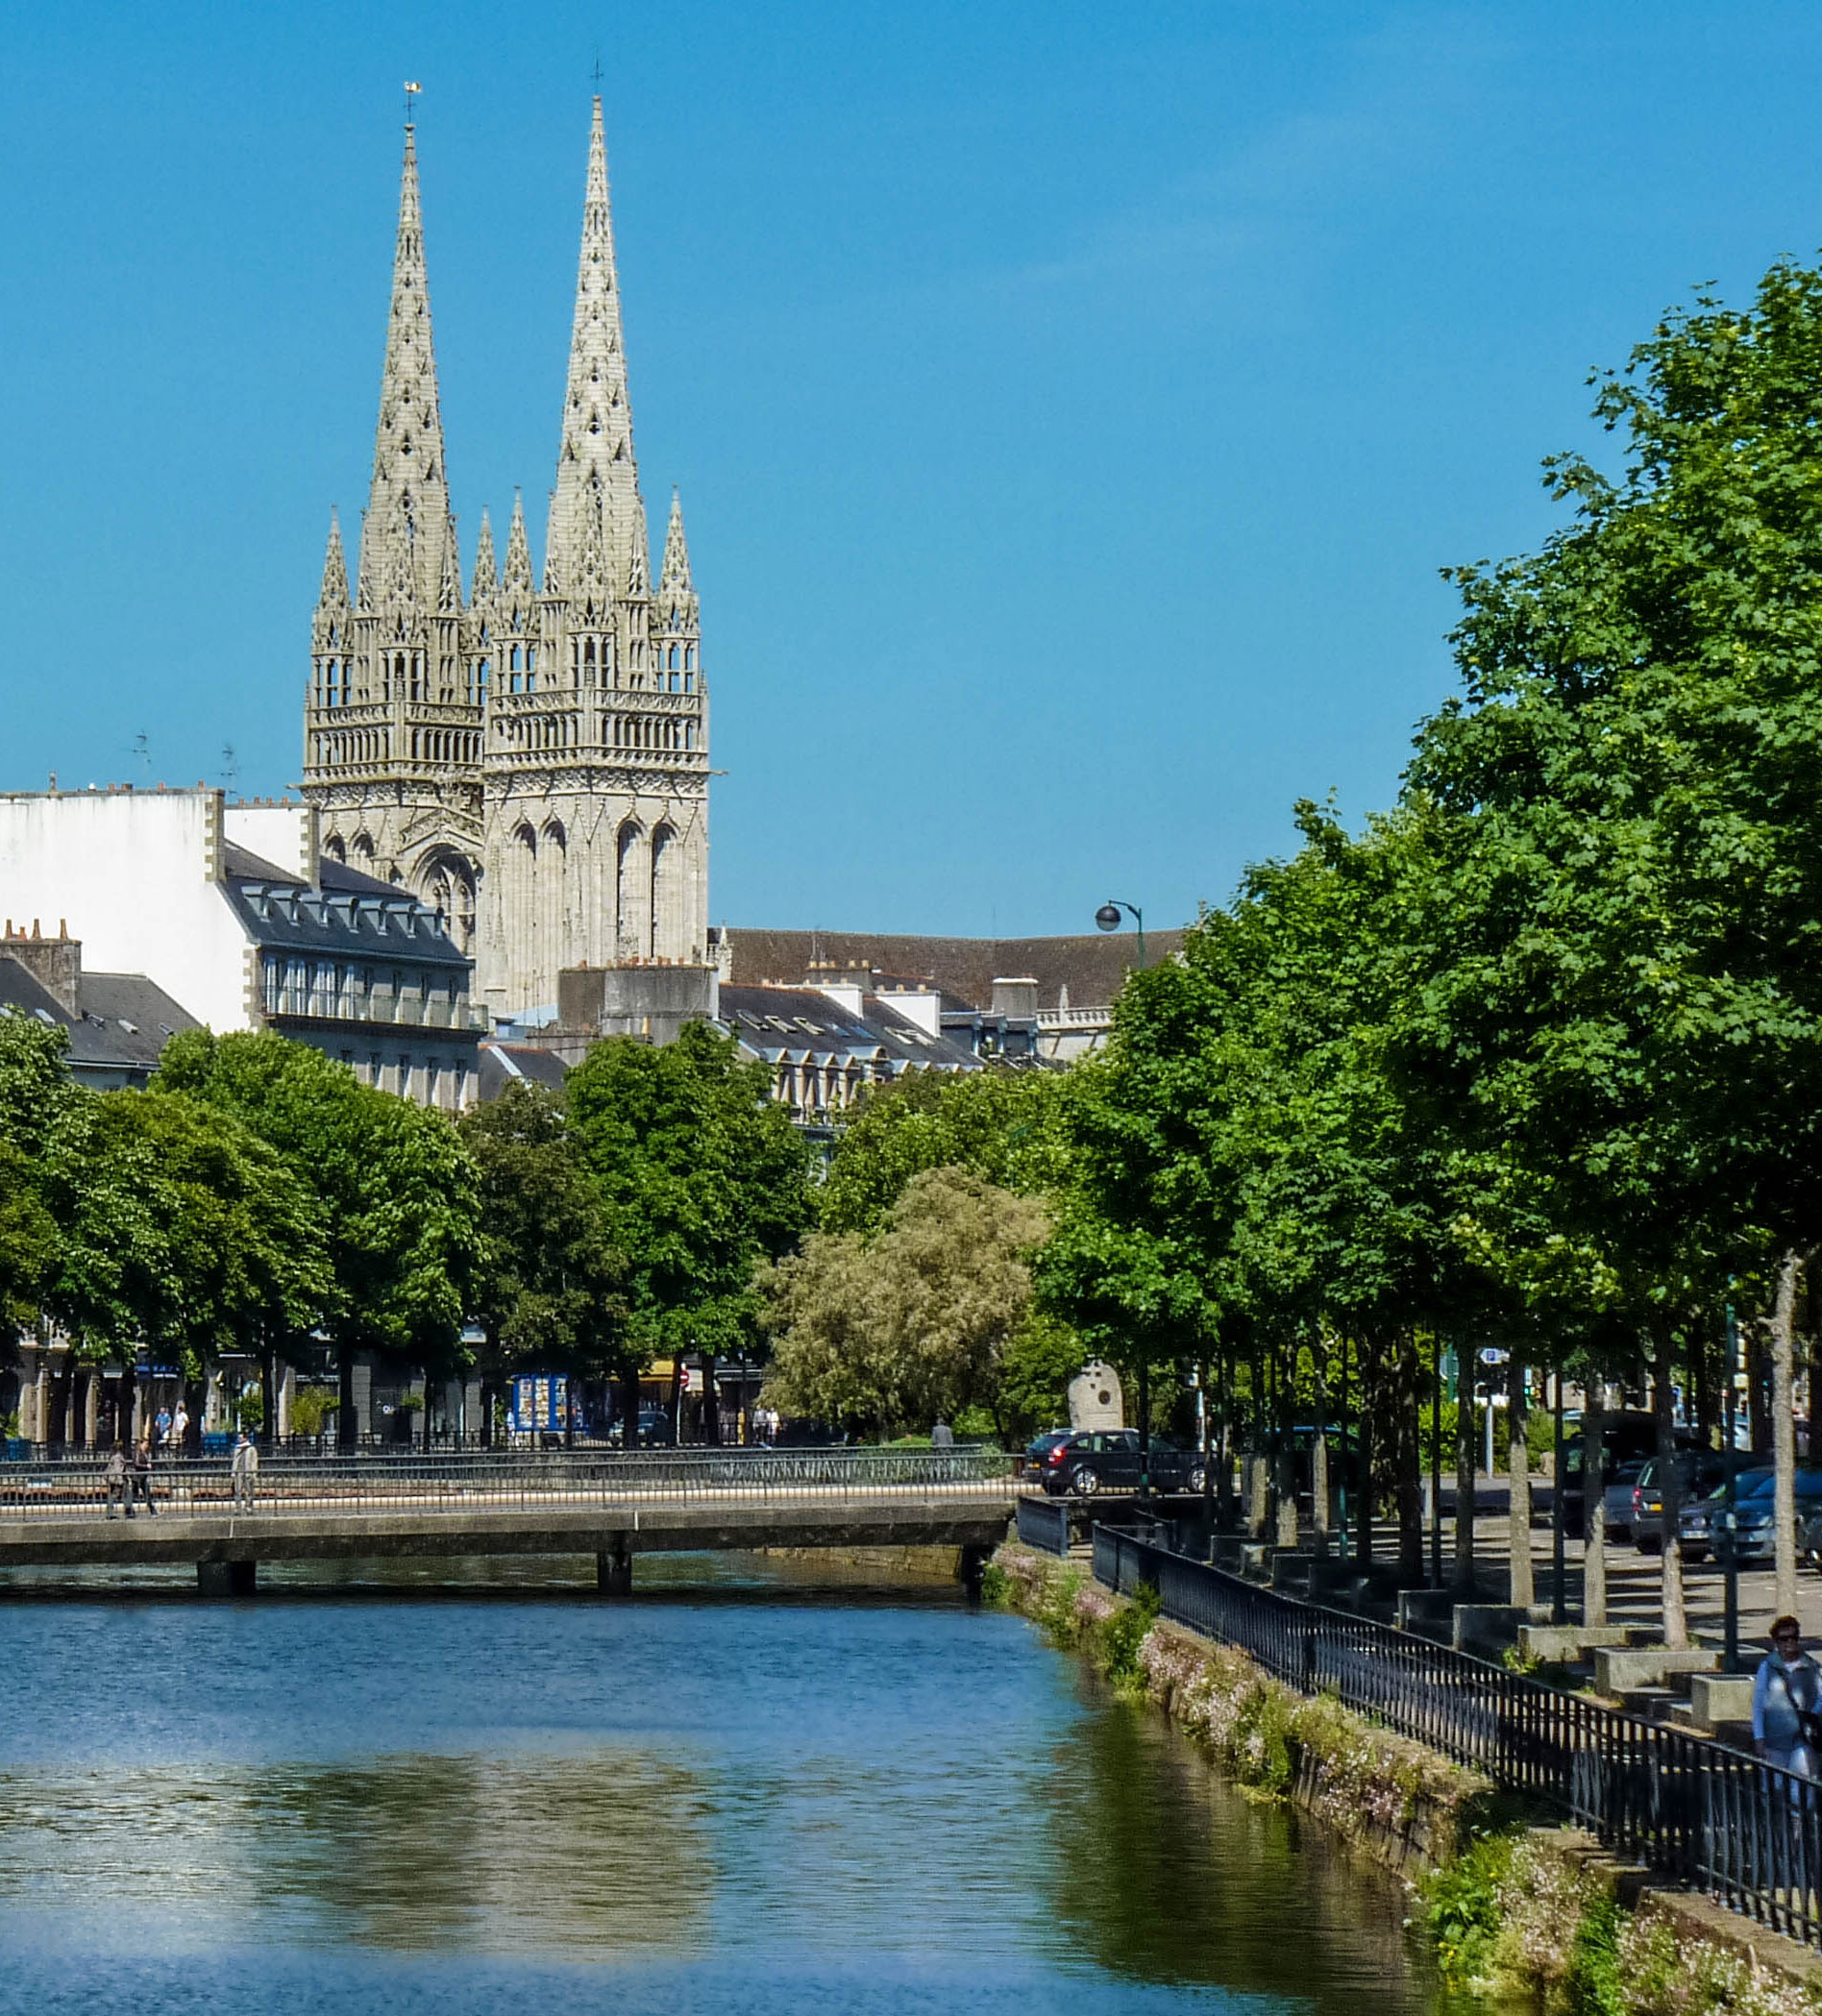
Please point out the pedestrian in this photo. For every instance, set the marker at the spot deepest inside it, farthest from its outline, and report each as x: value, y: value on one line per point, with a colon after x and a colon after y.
x: 246, y: 1471
x: 115, y: 1476
x: 162, y: 1423
x: 941, y: 1435
x: 1787, y: 1703
x: 180, y: 1430
x: 139, y: 1476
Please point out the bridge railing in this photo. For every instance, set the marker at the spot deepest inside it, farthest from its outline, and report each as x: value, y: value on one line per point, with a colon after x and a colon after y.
x: 505, y: 1481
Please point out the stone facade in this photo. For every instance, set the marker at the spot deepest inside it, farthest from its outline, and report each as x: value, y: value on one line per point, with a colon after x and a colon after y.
x: 531, y: 759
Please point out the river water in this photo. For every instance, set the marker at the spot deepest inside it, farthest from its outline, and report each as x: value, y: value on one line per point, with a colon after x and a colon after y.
x: 728, y: 1794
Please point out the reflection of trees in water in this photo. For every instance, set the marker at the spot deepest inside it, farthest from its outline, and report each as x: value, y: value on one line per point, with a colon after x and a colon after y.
x: 606, y: 1853
x: 1164, y: 1870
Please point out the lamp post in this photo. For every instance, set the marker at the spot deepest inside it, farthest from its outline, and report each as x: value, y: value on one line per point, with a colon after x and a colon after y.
x: 1107, y: 917
x: 1730, y: 1515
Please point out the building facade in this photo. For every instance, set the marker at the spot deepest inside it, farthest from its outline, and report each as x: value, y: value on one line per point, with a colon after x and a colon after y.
x: 233, y: 913
x: 529, y: 757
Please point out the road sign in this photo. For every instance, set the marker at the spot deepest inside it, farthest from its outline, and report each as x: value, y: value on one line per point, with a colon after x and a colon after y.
x: 1492, y: 1355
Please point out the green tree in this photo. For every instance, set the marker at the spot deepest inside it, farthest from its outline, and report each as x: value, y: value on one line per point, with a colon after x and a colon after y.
x: 1001, y: 1123
x: 910, y: 1325
x: 400, y: 1201
x: 549, y: 1292
x: 703, y: 1176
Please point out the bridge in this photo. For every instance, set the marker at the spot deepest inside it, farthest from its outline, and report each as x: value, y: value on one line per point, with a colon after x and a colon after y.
x: 613, y: 1506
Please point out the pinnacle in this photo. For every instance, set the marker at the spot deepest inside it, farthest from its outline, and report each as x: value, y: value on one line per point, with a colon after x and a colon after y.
x: 519, y: 580
x: 676, y: 577
x: 486, y: 583
x: 333, y: 593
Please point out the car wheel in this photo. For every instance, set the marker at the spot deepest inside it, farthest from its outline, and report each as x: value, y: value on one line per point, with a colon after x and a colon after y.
x: 1084, y: 1481
x: 1197, y: 1480
x: 1649, y: 1543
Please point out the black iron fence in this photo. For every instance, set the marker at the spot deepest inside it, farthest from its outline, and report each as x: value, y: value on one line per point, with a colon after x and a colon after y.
x: 505, y: 1481
x: 1043, y: 1523
x: 1692, y: 1810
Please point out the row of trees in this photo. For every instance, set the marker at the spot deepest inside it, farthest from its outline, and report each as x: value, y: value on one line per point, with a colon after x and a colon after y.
x: 258, y: 1200
x: 1534, y: 1060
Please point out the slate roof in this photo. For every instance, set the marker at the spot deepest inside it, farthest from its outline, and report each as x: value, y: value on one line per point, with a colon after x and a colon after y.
x: 1092, y: 967
x: 352, y: 913
x: 124, y: 1024
x: 499, y: 1065
x: 796, y: 1022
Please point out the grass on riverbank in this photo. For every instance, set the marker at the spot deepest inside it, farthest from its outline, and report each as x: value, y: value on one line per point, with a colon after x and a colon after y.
x: 1508, y: 1910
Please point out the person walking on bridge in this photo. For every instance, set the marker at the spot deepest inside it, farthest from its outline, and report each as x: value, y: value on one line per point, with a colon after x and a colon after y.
x: 139, y: 1476
x: 116, y: 1478
x: 246, y: 1471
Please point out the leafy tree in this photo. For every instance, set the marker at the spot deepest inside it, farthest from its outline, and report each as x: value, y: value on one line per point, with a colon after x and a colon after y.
x: 399, y: 1196
x: 1001, y: 1123
x: 703, y: 1176
x: 549, y: 1290
x: 914, y: 1323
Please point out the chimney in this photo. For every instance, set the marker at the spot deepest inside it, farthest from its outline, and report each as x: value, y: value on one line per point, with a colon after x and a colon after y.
x: 56, y: 963
x: 1016, y: 999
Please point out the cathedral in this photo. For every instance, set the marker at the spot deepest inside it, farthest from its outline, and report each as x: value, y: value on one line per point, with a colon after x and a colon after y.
x: 531, y: 757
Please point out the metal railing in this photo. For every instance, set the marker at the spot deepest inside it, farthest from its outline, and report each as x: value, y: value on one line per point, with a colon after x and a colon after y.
x: 506, y: 1481
x: 1043, y: 1523
x: 1692, y: 1810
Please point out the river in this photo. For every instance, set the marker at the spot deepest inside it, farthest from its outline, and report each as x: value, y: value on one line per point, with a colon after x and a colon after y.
x: 733, y: 1793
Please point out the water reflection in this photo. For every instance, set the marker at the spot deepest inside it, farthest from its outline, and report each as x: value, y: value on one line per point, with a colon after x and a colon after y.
x: 1166, y: 1870
x: 754, y: 1803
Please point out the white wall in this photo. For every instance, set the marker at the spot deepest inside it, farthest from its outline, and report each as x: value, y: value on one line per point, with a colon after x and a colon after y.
x: 135, y: 874
x: 285, y: 835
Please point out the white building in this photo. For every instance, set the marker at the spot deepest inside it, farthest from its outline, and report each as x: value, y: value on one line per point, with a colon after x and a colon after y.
x: 230, y: 910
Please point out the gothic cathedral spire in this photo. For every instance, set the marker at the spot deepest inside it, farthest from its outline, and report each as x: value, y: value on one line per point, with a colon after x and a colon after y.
x: 596, y: 492
x: 408, y: 504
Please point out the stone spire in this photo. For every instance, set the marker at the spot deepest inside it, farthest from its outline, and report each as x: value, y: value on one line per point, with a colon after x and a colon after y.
x: 334, y: 593
x: 408, y: 506
x: 595, y: 468
x: 519, y: 581
x: 676, y: 577
x: 487, y: 580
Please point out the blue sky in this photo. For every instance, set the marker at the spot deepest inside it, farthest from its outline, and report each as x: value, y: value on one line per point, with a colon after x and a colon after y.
x: 1072, y: 403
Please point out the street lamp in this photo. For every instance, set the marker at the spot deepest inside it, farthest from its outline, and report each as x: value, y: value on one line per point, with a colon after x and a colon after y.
x: 1108, y: 917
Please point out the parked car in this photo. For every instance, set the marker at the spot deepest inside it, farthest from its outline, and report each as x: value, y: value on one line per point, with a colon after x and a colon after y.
x: 1755, y: 1530
x: 1620, y: 1495
x: 1699, y: 1471
x: 1630, y: 1437
x: 1107, y: 1460
x: 1038, y: 1449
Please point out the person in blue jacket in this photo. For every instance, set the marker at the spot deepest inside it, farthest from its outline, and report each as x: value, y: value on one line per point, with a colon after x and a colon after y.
x: 1787, y: 1703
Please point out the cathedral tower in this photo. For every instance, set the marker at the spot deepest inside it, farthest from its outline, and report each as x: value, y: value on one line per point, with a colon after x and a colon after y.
x: 533, y: 761
x: 597, y: 749
x: 392, y: 721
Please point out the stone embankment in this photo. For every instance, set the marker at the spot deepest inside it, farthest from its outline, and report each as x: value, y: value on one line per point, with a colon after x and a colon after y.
x: 1510, y: 1908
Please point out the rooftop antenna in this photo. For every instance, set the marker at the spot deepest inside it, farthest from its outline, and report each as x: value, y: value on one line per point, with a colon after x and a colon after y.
x: 411, y: 90
x: 142, y: 748
x: 230, y: 767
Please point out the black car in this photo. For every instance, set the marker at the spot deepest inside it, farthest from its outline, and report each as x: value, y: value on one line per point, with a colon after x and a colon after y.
x: 1107, y: 1460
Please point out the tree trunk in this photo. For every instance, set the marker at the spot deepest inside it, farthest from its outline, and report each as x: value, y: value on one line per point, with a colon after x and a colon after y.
x: 1758, y: 1412
x: 427, y: 1409
x: 1407, y: 1443
x: 711, y: 1403
x: 1464, y: 1455
x: 56, y: 1431
x: 1524, y: 1591
x: 1363, y: 1415
x: 1676, y: 1620
x: 1783, y: 1434
x: 629, y: 1406
x: 347, y: 1427
x: 268, y: 1398
x: 1593, y: 1502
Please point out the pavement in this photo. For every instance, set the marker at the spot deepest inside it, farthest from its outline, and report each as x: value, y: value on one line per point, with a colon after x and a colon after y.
x: 1633, y: 1579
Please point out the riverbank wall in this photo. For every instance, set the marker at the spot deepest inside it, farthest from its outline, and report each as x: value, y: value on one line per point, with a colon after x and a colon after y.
x: 1511, y: 1910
